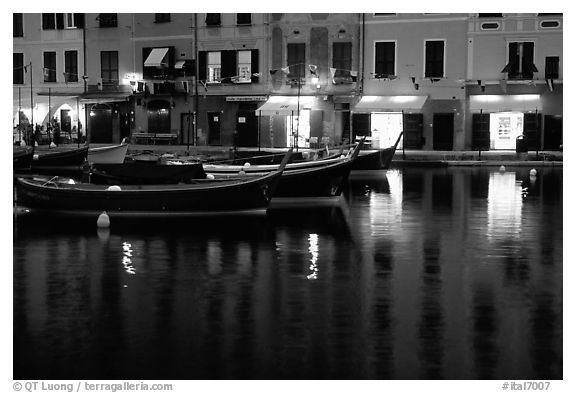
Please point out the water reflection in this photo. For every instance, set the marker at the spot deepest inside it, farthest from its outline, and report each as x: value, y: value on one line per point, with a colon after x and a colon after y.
x: 421, y: 274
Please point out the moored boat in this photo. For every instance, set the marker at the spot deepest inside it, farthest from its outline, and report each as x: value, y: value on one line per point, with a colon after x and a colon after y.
x: 57, y: 196
x: 60, y: 157
x: 114, y: 154
x: 22, y: 157
x: 376, y: 159
x: 138, y: 172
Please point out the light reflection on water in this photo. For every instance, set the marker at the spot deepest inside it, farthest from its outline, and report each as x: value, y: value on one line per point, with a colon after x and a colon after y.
x: 420, y: 274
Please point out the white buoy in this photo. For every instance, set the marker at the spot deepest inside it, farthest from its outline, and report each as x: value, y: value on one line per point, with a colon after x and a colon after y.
x: 533, y: 172
x: 502, y: 168
x: 36, y: 144
x: 52, y: 144
x: 22, y: 143
x: 210, y: 176
x: 247, y: 165
x: 103, y: 220
x: 114, y: 188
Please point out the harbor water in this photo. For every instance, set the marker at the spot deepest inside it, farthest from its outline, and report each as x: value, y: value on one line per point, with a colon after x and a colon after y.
x: 417, y: 273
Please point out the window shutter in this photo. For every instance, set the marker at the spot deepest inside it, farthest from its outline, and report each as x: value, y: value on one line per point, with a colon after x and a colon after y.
x: 48, y: 22
x: 552, y: 67
x: 79, y: 20
x: 513, y: 59
x: 481, y: 131
x: 532, y: 130
x: 202, y: 55
x: 254, y: 65
x: 528, y: 60
x: 229, y: 68
x: 413, y: 123
x: 60, y: 21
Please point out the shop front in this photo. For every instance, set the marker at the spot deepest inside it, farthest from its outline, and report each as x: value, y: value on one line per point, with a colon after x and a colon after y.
x: 499, y: 120
x: 382, y: 118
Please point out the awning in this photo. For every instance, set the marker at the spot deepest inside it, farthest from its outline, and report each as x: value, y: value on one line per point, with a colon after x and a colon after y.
x: 155, y: 57
x: 369, y: 104
x: 505, y: 103
x: 285, y: 105
x: 95, y: 98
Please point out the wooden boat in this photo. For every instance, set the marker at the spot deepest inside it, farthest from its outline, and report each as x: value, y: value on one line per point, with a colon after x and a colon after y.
x: 376, y: 159
x: 22, y: 156
x: 225, y: 169
x: 60, y: 157
x: 114, y: 154
x: 240, y: 195
x: 143, y: 173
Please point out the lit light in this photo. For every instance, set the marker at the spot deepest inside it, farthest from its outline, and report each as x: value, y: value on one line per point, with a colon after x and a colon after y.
x: 526, y: 97
x: 486, y: 98
x: 315, y: 80
x: 404, y: 99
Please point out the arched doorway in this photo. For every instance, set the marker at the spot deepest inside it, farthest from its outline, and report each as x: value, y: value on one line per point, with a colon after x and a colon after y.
x: 100, y: 124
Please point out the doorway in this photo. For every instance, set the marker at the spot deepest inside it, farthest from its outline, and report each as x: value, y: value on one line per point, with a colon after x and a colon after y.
x: 65, y: 120
x: 443, y: 131
x: 100, y: 124
x: 187, y: 129
x: 505, y: 127
x: 214, y: 128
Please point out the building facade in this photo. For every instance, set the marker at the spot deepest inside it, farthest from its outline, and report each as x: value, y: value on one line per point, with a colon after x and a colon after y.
x: 447, y: 81
x: 48, y: 65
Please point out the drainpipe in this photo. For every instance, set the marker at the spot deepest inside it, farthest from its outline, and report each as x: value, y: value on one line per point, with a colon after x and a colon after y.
x: 197, y: 71
x: 84, y: 78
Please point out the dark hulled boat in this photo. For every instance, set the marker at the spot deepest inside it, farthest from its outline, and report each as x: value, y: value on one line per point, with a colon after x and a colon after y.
x: 22, y: 156
x: 243, y: 194
x: 60, y: 158
x: 143, y: 173
x: 376, y: 159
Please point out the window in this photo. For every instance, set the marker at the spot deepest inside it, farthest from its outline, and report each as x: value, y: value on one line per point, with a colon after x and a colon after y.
x: 161, y: 18
x: 212, y: 19
x: 296, y: 60
x: 385, y: 59
x: 549, y: 24
x: 520, y: 60
x: 48, y: 21
x: 109, y: 67
x: 490, y: 26
x: 108, y: 20
x: 489, y: 15
x: 71, y: 66
x: 18, y: 63
x: 552, y: 68
x: 49, y: 66
x: 385, y: 14
x: 243, y: 19
x: 214, y: 67
x: 244, y: 66
x: 434, y: 66
x: 342, y: 61
x: 17, y: 25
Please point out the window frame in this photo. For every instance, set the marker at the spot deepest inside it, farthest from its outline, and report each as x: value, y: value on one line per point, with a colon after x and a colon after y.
x: 210, y: 22
x: 48, y: 24
x: 550, y: 73
x: 70, y: 69
x: 520, y: 75
x: 107, y: 20
x: 17, y: 25
x: 110, y: 80
x: 393, y: 62
x: 248, y: 78
x: 243, y: 23
x: 49, y: 70
x: 342, y: 65
x: 162, y: 18
x: 428, y: 62
x: 18, y: 72
x: 299, y: 61
x: 214, y: 73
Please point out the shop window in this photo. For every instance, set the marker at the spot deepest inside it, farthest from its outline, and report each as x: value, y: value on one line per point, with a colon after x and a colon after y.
x: 18, y: 64
x: 520, y: 60
x: 243, y: 19
x: 49, y: 66
x: 71, y: 66
x: 384, y: 59
x: 214, y: 66
x: 162, y: 18
x: 296, y: 60
x: 552, y: 68
x: 213, y: 20
x: 17, y: 25
x: 109, y: 68
x: 434, y: 67
x: 342, y: 62
x: 108, y: 20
